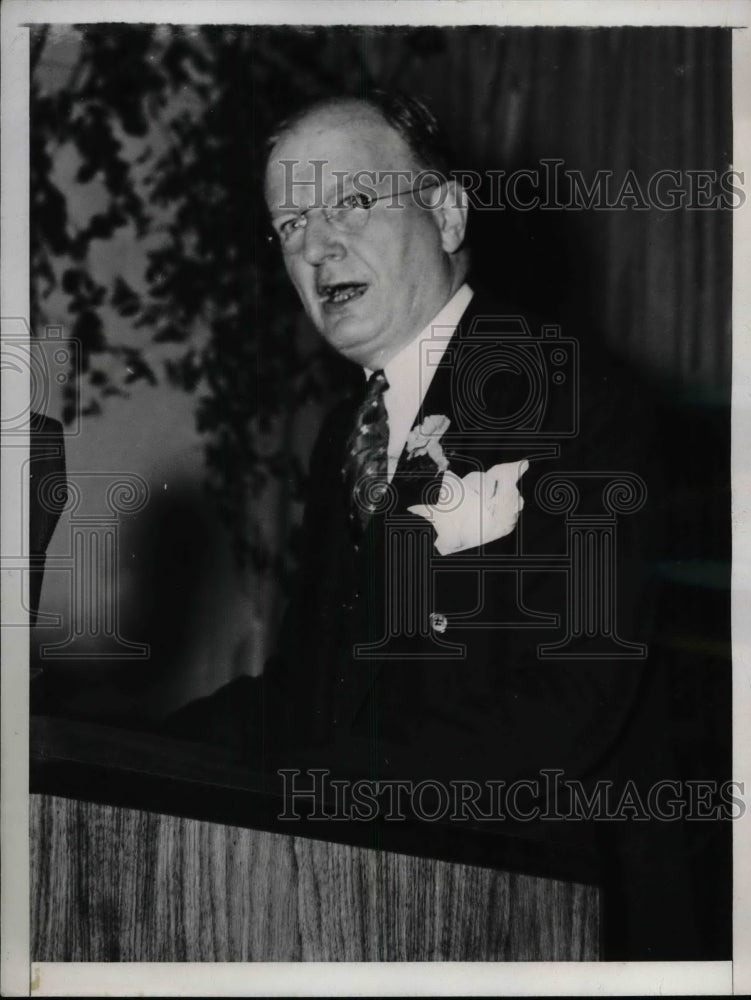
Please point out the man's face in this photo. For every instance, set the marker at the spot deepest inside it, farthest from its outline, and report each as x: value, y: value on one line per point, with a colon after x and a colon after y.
x: 371, y: 291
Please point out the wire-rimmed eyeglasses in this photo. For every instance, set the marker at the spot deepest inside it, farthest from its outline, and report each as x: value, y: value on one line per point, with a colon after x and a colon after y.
x: 349, y: 215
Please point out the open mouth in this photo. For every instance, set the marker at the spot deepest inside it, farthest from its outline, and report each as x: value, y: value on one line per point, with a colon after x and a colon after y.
x: 341, y: 292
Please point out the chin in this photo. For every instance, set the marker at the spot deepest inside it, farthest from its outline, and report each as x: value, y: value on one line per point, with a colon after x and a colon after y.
x: 354, y: 345
x: 353, y: 354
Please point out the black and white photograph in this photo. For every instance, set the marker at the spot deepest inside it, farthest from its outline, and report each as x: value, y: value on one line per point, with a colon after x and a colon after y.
x: 367, y: 406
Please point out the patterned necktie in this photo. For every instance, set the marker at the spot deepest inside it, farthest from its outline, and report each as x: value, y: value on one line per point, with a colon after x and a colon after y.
x: 366, y: 464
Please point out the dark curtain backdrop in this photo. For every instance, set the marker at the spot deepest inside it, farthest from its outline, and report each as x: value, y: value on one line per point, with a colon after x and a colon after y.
x: 655, y: 285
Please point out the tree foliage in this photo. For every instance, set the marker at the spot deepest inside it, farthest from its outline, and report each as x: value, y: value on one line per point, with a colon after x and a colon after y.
x: 168, y: 122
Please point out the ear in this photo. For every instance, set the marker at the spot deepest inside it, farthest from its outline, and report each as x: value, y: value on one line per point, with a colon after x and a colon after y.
x: 450, y: 207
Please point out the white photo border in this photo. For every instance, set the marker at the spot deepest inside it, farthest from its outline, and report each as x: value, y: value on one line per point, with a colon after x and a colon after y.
x: 18, y: 976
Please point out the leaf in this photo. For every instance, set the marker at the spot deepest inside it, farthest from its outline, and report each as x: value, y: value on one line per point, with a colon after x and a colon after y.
x: 167, y: 122
x: 170, y: 334
x: 87, y: 329
x: 137, y: 368
x: 124, y: 298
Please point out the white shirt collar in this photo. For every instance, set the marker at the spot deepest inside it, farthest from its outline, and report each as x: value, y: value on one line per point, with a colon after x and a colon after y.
x: 411, y: 371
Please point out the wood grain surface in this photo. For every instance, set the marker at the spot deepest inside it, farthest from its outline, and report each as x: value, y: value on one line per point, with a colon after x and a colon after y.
x: 112, y: 884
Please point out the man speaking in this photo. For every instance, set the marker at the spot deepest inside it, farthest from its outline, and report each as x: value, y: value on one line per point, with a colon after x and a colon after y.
x: 406, y: 664
x: 451, y: 618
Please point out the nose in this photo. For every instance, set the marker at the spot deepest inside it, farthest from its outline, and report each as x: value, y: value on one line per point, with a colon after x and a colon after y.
x: 320, y: 240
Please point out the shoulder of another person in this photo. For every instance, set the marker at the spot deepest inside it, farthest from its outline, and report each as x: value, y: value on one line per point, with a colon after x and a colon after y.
x: 42, y: 426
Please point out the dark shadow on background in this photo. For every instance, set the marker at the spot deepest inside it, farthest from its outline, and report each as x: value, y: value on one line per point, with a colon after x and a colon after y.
x: 170, y: 544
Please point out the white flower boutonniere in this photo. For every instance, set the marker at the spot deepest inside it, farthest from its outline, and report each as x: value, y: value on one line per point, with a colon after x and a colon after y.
x: 477, y: 509
x: 426, y: 440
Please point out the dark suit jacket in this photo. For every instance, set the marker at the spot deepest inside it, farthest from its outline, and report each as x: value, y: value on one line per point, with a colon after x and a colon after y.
x: 499, y: 710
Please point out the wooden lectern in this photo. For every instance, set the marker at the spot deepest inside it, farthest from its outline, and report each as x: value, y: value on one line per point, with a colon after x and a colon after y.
x: 146, y: 849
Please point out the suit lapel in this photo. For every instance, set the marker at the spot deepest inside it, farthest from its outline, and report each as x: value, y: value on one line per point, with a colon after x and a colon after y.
x: 413, y: 482
x: 447, y: 396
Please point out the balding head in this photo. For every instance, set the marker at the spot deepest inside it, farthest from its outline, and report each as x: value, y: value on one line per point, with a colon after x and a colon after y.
x: 410, y: 117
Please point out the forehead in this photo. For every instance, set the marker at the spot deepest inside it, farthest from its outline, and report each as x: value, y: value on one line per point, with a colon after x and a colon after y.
x: 327, y: 148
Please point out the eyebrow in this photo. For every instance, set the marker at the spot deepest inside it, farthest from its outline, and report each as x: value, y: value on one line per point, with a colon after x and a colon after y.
x: 341, y: 190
